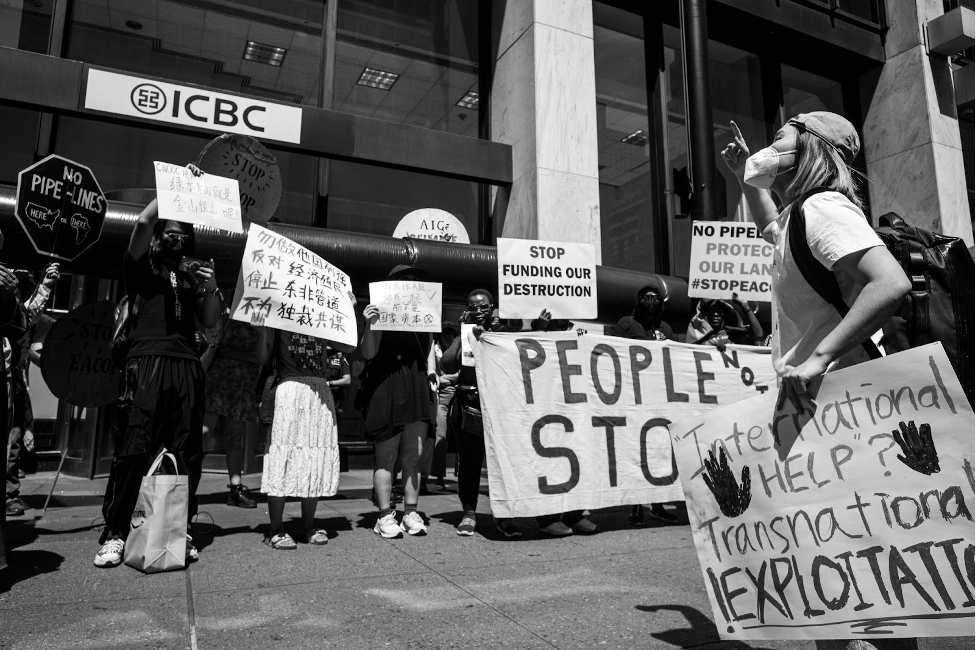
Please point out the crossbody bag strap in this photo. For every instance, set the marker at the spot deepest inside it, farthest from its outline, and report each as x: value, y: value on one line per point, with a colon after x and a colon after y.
x: 819, y: 277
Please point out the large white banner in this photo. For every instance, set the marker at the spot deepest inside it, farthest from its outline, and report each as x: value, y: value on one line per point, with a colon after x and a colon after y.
x: 407, y: 306
x: 205, y: 200
x: 557, y: 276
x: 728, y: 258
x: 288, y: 287
x: 580, y: 422
x: 160, y: 101
x: 851, y: 518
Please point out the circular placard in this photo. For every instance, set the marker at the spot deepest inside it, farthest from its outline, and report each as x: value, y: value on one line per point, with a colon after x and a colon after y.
x: 76, y: 361
x: 432, y: 223
x: 243, y: 158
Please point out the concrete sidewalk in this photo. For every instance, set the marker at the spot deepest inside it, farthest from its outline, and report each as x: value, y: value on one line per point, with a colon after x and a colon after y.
x: 622, y: 588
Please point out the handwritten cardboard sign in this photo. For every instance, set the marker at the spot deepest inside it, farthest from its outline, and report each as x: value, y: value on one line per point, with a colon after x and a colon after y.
x: 204, y: 200
x: 557, y: 276
x: 580, y: 422
x: 77, y: 358
x: 728, y: 258
x: 407, y: 306
x: 852, y: 518
x: 288, y: 287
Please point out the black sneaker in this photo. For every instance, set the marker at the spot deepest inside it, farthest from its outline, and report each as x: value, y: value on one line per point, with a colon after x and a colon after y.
x: 637, y: 516
x: 508, y: 528
x: 663, y: 515
x: 15, y: 507
x: 239, y: 497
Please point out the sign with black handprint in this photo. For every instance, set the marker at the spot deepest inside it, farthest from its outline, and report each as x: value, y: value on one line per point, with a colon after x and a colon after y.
x: 847, y: 521
x: 917, y: 445
x: 733, y: 499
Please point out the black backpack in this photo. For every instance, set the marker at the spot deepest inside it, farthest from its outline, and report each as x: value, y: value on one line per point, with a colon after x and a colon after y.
x: 940, y: 305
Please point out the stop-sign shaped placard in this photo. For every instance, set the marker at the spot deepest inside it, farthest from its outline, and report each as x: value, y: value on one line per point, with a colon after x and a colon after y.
x: 61, y: 206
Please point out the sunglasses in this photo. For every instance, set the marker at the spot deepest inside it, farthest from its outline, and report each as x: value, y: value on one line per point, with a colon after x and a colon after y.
x: 175, y: 236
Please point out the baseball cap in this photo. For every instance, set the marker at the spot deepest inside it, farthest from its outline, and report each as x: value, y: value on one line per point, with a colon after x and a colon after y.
x: 831, y: 128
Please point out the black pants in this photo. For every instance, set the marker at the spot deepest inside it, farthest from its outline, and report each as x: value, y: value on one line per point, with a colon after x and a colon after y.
x: 163, y: 407
x: 471, y: 456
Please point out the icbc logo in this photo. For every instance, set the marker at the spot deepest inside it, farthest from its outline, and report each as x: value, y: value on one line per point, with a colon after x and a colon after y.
x: 148, y: 99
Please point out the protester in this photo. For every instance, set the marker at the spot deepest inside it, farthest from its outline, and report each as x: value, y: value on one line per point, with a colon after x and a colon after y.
x: 809, y: 336
x: 233, y: 364
x: 303, y: 453
x: 163, y: 376
x: 434, y: 460
x: 718, y: 322
x: 398, y: 391
x: 20, y: 431
x: 645, y: 324
x: 13, y: 324
x: 466, y: 413
x: 574, y: 521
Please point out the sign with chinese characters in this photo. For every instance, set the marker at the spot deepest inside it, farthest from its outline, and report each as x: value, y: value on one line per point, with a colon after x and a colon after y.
x: 431, y: 223
x: 60, y: 206
x: 846, y: 516
x: 536, y: 275
x: 203, y: 200
x: 728, y: 258
x: 407, y: 306
x: 151, y: 99
x: 286, y: 286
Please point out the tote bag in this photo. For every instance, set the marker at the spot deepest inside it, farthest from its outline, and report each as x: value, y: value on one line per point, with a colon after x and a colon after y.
x: 158, y: 530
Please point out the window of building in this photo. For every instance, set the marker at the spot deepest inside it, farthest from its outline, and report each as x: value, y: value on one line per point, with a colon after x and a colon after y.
x: 121, y: 157
x: 805, y: 92
x: 412, y: 63
x: 736, y: 91
x: 18, y: 132
x: 26, y: 24
x: 369, y: 199
x: 243, y: 46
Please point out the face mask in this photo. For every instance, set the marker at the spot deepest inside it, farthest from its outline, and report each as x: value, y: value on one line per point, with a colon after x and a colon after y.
x: 761, y: 167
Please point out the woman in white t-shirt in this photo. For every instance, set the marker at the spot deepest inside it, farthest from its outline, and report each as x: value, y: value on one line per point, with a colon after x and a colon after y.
x: 810, y: 337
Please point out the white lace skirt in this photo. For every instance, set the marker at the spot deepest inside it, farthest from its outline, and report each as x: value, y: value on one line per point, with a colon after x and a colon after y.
x: 303, y: 456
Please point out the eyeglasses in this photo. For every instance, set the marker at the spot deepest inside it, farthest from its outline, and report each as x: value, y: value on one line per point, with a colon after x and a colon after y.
x: 175, y: 236
x: 650, y: 298
x: 480, y: 307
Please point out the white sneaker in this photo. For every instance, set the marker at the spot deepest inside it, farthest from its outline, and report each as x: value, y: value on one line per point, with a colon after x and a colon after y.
x: 413, y: 524
x: 387, y: 526
x: 110, y: 554
x: 192, y: 553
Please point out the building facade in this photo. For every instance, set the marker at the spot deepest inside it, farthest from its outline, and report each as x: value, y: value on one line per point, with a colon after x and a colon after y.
x: 570, y: 120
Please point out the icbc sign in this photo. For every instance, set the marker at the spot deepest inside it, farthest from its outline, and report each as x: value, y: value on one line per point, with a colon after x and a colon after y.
x: 60, y: 206
x: 165, y: 102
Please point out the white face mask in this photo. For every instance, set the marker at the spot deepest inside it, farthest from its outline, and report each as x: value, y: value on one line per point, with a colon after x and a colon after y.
x: 761, y: 167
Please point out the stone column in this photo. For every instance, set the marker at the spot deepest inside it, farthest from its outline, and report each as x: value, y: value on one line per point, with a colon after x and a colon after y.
x: 911, y: 137
x: 543, y: 104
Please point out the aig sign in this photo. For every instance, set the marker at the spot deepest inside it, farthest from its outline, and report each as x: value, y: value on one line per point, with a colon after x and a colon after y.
x: 165, y: 102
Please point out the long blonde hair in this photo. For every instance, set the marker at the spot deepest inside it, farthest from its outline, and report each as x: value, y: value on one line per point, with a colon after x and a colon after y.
x: 820, y: 165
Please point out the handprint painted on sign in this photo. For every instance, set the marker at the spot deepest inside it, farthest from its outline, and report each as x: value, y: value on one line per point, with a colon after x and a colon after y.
x: 733, y: 499
x: 917, y: 445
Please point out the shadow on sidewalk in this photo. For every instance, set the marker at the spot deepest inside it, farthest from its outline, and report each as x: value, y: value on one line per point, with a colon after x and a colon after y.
x: 701, y: 631
x: 23, y: 565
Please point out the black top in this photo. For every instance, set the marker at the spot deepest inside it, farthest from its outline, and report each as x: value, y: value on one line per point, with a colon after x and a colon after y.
x: 630, y: 328
x: 300, y: 355
x: 164, y: 324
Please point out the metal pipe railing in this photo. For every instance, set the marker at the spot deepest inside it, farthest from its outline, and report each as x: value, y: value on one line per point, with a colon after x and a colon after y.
x: 366, y: 258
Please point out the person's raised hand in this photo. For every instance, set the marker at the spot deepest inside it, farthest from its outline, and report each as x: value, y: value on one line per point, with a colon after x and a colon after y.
x: 206, y: 279
x: 736, y: 153
x: 51, y: 274
x: 544, y: 319
x: 8, y: 286
x: 371, y: 313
